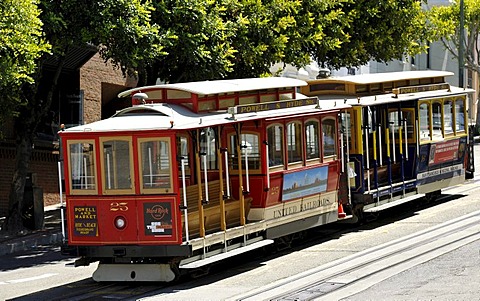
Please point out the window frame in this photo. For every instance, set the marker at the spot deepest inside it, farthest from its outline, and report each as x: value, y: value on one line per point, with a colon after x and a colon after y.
x: 280, y: 166
x: 106, y: 191
x: 162, y: 190
x: 298, y: 135
x: 318, y: 159
x: 463, y: 100
x: 333, y: 157
x: 73, y: 191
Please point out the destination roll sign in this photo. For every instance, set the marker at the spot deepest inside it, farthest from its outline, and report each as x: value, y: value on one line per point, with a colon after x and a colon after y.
x: 423, y: 88
x: 274, y: 105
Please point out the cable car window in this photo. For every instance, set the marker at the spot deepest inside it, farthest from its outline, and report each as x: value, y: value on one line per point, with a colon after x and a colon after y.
x: 117, y: 165
x: 448, y: 117
x: 459, y: 115
x: 437, y: 120
x: 329, y: 137
x: 294, y: 142
x: 348, y: 120
x: 250, y: 148
x: 155, y: 158
x: 208, y: 147
x: 394, y: 121
x: 409, y: 116
x: 182, y: 149
x: 275, y: 145
x: 424, y: 120
x: 312, y: 135
x: 82, y: 167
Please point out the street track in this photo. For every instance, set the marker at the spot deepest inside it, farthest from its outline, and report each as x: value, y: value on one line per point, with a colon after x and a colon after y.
x: 352, y: 274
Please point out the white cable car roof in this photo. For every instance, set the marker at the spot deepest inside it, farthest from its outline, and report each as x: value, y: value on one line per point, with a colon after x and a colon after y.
x: 223, y: 86
x: 371, y: 78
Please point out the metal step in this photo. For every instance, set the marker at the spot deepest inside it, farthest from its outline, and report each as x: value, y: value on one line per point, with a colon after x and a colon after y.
x: 222, y: 256
x: 392, y: 203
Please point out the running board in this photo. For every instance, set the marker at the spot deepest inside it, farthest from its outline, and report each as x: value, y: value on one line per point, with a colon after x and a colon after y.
x: 222, y: 256
x: 394, y: 203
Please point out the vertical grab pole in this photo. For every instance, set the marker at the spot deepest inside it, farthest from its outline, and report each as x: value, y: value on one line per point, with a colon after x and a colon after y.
x: 402, y: 170
x: 205, y: 175
x: 268, y: 164
x: 240, y: 184
x: 201, y: 218
x: 380, y: 149
x: 221, y: 195
x: 61, y: 200
x: 185, y: 211
x: 227, y: 175
x: 109, y: 175
x: 150, y: 166
x: 367, y: 157
x: 406, y: 138
x: 342, y: 155
x: 85, y: 177
x: 247, y: 177
x: 393, y: 142
x: 347, y: 126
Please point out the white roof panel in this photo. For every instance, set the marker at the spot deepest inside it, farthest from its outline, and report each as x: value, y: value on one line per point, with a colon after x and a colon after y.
x: 224, y: 86
x: 390, y: 76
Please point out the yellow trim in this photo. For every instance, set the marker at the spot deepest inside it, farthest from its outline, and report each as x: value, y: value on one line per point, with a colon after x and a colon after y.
x: 387, y: 141
x: 357, y: 142
x: 400, y: 141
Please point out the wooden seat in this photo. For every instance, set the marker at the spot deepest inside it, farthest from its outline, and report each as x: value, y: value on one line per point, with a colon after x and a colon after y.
x: 212, y: 215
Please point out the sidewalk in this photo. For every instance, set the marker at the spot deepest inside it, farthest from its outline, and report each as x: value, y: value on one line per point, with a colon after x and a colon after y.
x: 51, y: 234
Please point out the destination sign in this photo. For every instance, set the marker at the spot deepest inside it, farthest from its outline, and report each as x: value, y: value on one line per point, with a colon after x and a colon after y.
x: 274, y: 105
x: 423, y: 88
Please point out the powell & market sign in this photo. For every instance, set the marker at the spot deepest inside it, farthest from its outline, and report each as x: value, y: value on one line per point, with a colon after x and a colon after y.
x: 274, y: 105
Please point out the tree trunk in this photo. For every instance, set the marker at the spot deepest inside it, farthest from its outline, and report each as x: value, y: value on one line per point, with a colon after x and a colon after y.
x: 14, y: 221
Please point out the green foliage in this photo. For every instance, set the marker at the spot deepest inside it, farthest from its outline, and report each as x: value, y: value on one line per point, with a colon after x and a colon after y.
x: 198, y: 41
x: 122, y: 29
x: 444, y: 25
x: 243, y: 38
x: 373, y: 30
x: 21, y: 44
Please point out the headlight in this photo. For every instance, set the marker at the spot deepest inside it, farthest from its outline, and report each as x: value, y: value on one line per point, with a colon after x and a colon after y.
x: 120, y: 222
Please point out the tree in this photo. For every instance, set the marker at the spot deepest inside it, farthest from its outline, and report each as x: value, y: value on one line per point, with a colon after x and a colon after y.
x: 373, y: 30
x: 122, y: 31
x: 243, y: 38
x: 444, y: 26
x: 21, y: 44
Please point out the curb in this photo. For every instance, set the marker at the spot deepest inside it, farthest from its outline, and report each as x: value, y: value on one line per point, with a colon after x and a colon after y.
x: 30, y: 243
